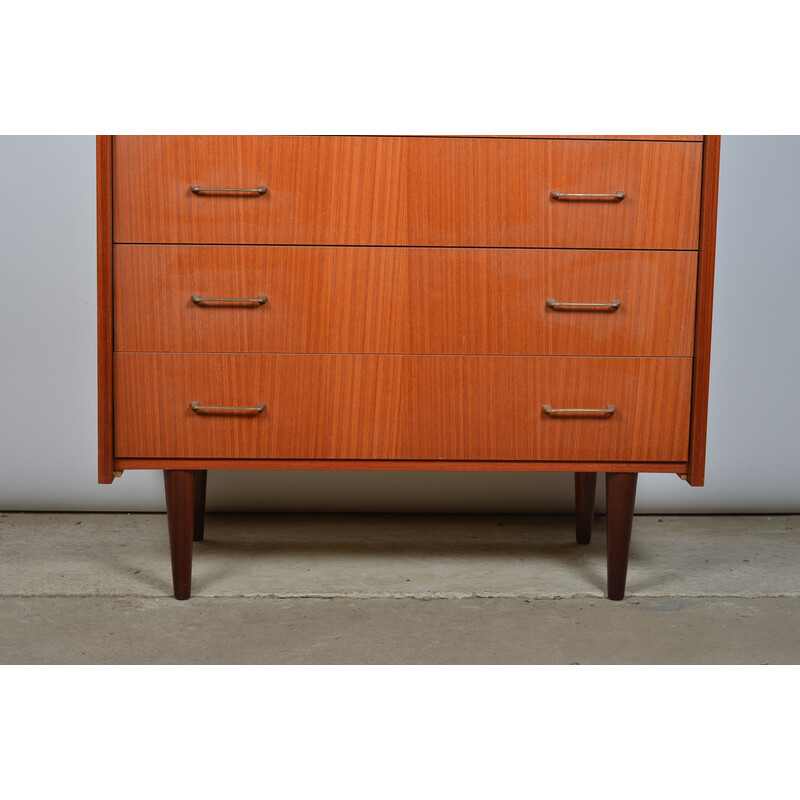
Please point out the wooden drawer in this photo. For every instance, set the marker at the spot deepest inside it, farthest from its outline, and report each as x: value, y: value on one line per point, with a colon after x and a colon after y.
x: 465, y: 192
x: 403, y: 300
x: 401, y: 407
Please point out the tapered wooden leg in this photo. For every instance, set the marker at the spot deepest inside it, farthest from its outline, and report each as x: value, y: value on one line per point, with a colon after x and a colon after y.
x: 180, y: 486
x: 620, y: 499
x: 585, y: 485
x: 200, y: 504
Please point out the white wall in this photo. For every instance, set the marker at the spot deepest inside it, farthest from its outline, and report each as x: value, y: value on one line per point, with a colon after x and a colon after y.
x: 48, y: 348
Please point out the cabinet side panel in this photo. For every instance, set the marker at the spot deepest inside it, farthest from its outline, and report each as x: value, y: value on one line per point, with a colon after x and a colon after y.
x: 705, y: 296
x: 105, y: 419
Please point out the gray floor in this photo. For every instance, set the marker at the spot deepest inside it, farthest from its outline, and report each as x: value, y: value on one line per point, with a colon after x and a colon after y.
x: 404, y: 589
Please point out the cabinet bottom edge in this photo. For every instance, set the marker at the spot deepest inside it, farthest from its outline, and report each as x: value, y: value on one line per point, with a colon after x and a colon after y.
x: 678, y: 467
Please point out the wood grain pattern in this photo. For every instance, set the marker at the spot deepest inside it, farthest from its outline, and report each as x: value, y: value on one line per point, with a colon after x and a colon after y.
x: 334, y: 190
x: 407, y: 191
x: 105, y: 408
x: 705, y: 298
x: 404, y: 300
x: 400, y: 465
x: 470, y: 193
x: 401, y: 407
x: 592, y: 136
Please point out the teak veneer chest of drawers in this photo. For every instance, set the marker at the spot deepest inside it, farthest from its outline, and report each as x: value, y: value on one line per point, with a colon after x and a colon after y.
x: 429, y: 303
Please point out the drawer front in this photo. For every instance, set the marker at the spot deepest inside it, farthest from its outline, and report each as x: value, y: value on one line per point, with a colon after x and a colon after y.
x: 401, y: 407
x: 403, y: 300
x: 464, y: 192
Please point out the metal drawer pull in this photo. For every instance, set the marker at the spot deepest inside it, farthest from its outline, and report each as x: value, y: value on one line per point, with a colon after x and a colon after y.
x: 200, y: 409
x: 202, y: 301
x: 550, y: 303
x: 575, y: 196
x: 201, y: 189
x: 550, y: 410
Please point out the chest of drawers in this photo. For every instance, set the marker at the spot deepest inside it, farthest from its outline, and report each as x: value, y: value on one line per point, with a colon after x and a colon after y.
x: 429, y: 303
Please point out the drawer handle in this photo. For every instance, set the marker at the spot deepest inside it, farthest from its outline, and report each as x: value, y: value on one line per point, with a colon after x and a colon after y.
x: 204, y: 301
x: 548, y: 409
x: 554, y: 304
x: 210, y: 190
x: 200, y: 409
x: 616, y: 196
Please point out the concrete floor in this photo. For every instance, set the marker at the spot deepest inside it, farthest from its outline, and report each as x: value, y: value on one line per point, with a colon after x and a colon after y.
x: 398, y: 589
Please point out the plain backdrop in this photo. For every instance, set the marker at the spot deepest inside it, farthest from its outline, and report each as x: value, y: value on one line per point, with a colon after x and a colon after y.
x: 48, y: 400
